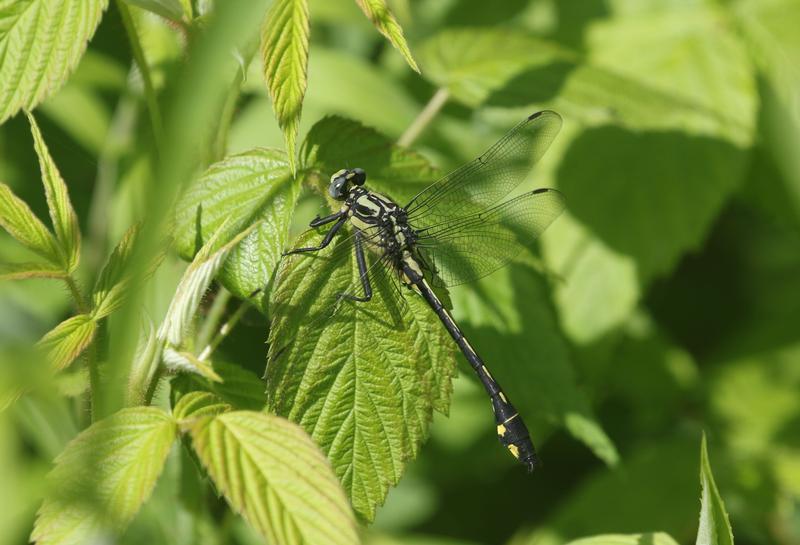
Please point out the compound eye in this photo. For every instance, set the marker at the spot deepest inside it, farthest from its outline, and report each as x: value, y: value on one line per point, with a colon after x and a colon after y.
x: 359, y: 176
x: 338, y: 188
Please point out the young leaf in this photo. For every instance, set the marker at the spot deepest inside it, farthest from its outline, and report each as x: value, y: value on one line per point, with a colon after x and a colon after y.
x: 714, y: 528
x: 65, y: 221
x: 657, y: 538
x: 194, y: 284
x: 103, y: 477
x: 21, y: 223
x: 284, y: 50
x: 272, y: 472
x: 254, y: 186
x: 186, y: 361
x: 381, y: 16
x: 14, y: 271
x: 199, y: 404
x: 111, y: 287
x: 68, y: 340
x: 365, y: 382
x: 40, y: 43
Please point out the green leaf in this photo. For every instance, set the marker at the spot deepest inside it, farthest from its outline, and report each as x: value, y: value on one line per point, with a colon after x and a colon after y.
x: 103, y: 477
x: 198, y: 405
x: 255, y: 186
x: 40, y: 43
x: 15, y: 271
x: 65, y: 221
x: 715, y: 528
x: 21, y: 223
x: 68, y: 340
x: 114, y: 279
x: 381, y: 16
x: 239, y: 388
x: 656, y: 222
x: 169, y: 9
x: 597, y: 288
x: 364, y: 383
x: 658, y: 538
x: 509, y: 321
x: 471, y: 63
x: 284, y: 51
x: 272, y: 472
x: 644, y: 496
x: 195, y: 282
x: 335, y: 142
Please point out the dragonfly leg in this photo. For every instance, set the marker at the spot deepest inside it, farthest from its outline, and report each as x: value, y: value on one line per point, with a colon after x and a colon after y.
x: 316, y: 222
x: 362, y: 272
x: 325, y: 241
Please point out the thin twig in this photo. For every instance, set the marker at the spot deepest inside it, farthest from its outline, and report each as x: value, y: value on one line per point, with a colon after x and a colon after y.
x: 214, y: 317
x: 144, y: 70
x: 77, y: 296
x: 226, y: 328
x: 427, y: 114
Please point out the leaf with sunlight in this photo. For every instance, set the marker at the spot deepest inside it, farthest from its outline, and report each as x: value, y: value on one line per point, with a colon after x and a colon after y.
x: 198, y: 405
x: 68, y: 340
x: 363, y: 382
x: 383, y: 19
x: 20, y: 271
x: 65, y: 221
x: 252, y: 187
x: 272, y: 472
x: 284, y: 50
x: 714, y: 528
x: 41, y: 42
x: 21, y: 223
x: 104, y: 475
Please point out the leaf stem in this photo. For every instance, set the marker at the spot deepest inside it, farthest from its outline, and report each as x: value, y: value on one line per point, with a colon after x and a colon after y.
x: 144, y: 70
x: 77, y: 296
x: 214, y: 317
x: 434, y: 105
x: 225, y: 330
x: 95, y: 390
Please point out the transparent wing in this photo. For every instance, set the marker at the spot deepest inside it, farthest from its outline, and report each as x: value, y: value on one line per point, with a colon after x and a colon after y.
x: 470, y: 247
x: 480, y: 184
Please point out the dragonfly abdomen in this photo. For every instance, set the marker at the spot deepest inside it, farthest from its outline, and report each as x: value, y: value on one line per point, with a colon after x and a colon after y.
x: 511, y: 430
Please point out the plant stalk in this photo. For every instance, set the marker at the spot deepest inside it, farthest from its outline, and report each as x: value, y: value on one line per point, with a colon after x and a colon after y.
x: 144, y: 70
x: 434, y: 105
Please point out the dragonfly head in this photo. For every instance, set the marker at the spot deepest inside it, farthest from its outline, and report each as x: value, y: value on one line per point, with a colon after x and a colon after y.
x: 343, y: 180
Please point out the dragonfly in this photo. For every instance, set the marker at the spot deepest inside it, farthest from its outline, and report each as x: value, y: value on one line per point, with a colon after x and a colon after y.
x: 454, y: 231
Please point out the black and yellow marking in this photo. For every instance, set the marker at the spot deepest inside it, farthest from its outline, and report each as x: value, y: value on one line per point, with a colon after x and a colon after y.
x: 511, y: 430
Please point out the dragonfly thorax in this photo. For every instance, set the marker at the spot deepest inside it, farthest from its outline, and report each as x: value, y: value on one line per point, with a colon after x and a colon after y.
x: 384, y: 219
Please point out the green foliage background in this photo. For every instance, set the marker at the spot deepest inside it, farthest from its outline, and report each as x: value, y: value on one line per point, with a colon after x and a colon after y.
x: 663, y: 304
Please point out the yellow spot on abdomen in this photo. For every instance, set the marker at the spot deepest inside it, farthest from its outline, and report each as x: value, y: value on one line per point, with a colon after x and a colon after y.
x: 501, y: 430
x: 514, y: 451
